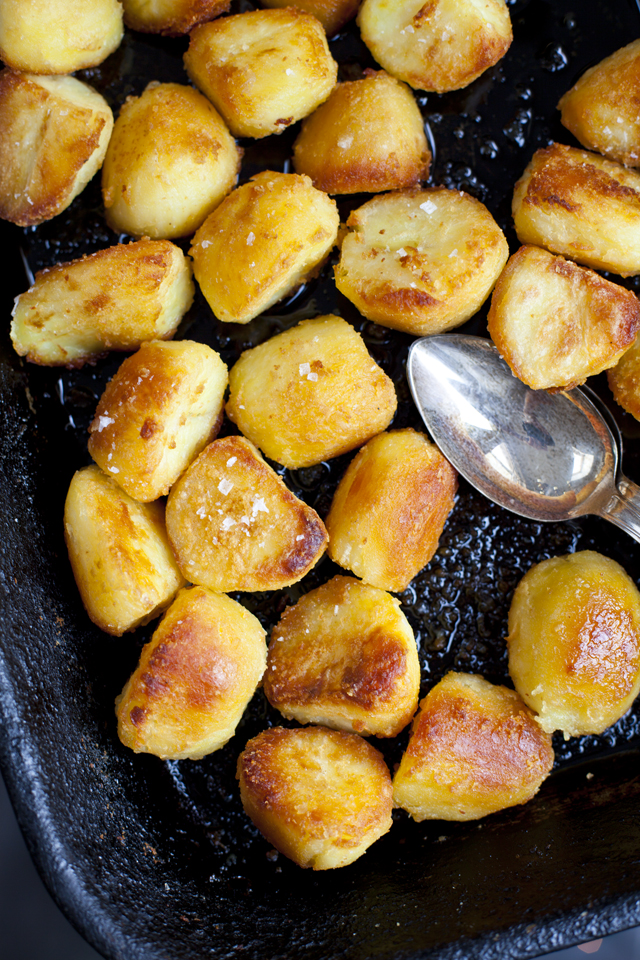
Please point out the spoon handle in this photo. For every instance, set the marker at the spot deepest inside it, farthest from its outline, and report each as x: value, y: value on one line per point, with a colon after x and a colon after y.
x: 624, y: 508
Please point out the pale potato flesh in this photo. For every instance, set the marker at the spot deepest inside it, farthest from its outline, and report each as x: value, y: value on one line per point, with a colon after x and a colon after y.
x: 114, y: 299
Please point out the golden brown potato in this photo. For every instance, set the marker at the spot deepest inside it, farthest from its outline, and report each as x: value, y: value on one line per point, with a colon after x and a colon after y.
x: 262, y: 70
x: 47, y: 36
x: 475, y: 748
x: 574, y: 642
x: 54, y: 133
x: 156, y: 414
x: 169, y: 163
x: 601, y: 109
x: 262, y: 242
x: 310, y: 393
x: 195, y: 678
x: 332, y: 14
x: 119, y: 552
x: 440, y: 45
x: 422, y: 261
x: 320, y: 796
x: 624, y: 380
x: 345, y: 656
x: 368, y: 136
x: 171, y: 17
x: 235, y: 526
x: 114, y: 299
x: 581, y: 206
x: 557, y: 324
x: 390, y: 509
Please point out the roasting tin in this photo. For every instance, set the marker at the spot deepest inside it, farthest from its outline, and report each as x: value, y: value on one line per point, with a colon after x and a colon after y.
x: 157, y: 860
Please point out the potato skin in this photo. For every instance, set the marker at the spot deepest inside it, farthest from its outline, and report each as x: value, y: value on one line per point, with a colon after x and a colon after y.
x: 235, y: 526
x: 310, y: 393
x: 262, y: 70
x: 624, y: 380
x: 119, y: 552
x: 195, y: 678
x: 170, y: 162
x: 368, y: 136
x: 54, y: 133
x: 440, y: 45
x: 574, y: 642
x: 114, y: 299
x: 266, y: 238
x: 332, y: 14
x: 581, y: 206
x: 422, y: 261
x: 557, y: 324
x: 345, y: 656
x: 157, y: 413
x: 601, y: 109
x: 390, y: 508
x: 320, y: 796
x: 171, y: 18
x: 46, y: 36
x: 475, y: 748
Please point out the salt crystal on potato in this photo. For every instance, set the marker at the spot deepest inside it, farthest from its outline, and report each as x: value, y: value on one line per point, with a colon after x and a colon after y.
x: 581, y: 206
x: 170, y: 161
x: 556, y: 323
x: 234, y: 525
x: 422, y: 261
x: 345, y: 656
x: 264, y: 240
x: 157, y: 413
x: 119, y: 552
x: 47, y: 36
x: 171, y: 18
x: 368, y: 136
x: 601, y: 109
x: 310, y: 393
x: 195, y: 678
x: 54, y: 133
x: 390, y: 508
x: 574, y: 642
x: 114, y: 299
x: 320, y: 796
x: 263, y: 69
x: 475, y: 748
x: 332, y: 14
x: 440, y: 45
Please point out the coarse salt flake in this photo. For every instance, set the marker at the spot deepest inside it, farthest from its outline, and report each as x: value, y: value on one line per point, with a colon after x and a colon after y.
x: 345, y: 142
x: 312, y: 376
x: 231, y: 461
x: 251, y: 237
x: 454, y: 253
x: 428, y: 206
x: 304, y: 369
x: 104, y: 422
x: 335, y: 610
x: 113, y: 470
x: 225, y: 486
x: 300, y: 536
x: 259, y: 506
x: 201, y: 512
x: 227, y: 523
x: 401, y: 252
x: 289, y: 72
x: 205, y: 243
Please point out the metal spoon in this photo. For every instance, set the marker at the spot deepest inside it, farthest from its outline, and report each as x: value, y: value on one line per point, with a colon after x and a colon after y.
x: 542, y: 455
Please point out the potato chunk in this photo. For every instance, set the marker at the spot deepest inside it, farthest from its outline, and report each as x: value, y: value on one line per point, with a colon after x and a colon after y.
x: 574, y: 642
x: 390, y: 509
x: 47, y: 36
x: 262, y: 70
x: 114, y: 299
x: 475, y: 748
x: 440, y: 45
x: 310, y: 393
x: 169, y: 163
x: 54, y: 133
x: 581, y: 206
x: 262, y: 242
x: 422, y: 261
x: 332, y: 14
x: 171, y: 18
x: 320, y: 796
x: 624, y: 380
x: 195, y: 678
x: 156, y: 414
x: 601, y: 109
x: 119, y: 552
x: 235, y: 526
x: 557, y: 324
x: 345, y: 656
x: 368, y: 136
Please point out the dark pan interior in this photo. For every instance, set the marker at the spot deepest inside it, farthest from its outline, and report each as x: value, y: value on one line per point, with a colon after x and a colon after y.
x: 157, y: 860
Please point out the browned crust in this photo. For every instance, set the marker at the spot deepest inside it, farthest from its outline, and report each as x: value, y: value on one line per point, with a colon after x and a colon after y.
x: 185, y: 19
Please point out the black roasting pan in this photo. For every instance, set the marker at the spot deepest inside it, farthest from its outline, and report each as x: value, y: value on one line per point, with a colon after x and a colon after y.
x: 155, y: 860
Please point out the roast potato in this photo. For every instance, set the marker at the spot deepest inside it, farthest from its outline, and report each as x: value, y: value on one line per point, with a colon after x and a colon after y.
x: 332, y: 14
x: 624, y: 380
x: 171, y: 17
